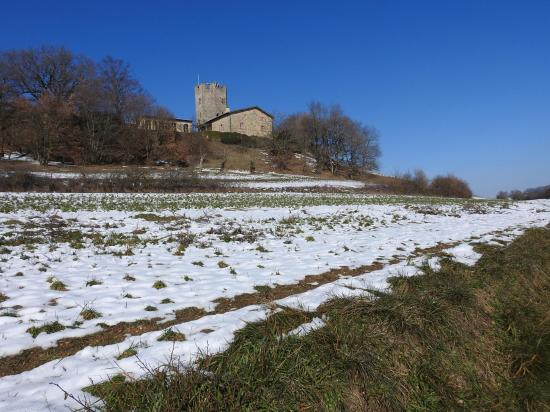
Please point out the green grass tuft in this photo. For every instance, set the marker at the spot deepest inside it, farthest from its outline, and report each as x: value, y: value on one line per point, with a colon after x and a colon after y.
x: 127, y: 353
x: 93, y: 282
x: 159, y: 284
x: 58, y: 285
x: 47, y: 328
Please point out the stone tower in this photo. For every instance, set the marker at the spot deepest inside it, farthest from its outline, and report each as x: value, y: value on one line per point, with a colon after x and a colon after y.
x: 210, y: 101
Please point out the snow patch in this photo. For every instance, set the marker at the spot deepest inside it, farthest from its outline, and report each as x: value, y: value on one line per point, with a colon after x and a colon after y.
x: 305, y: 328
x: 464, y: 253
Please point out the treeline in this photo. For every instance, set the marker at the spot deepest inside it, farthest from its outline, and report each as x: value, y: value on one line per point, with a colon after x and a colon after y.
x: 542, y: 192
x: 56, y: 105
x: 418, y: 183
x: 335, y: 141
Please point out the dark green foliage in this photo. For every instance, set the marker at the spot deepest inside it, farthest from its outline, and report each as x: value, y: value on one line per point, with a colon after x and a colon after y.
x: 238, y: 139
x: 231, y: 138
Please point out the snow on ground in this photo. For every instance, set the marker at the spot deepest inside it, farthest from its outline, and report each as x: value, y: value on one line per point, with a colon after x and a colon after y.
x: 18, y: 156
x: 31, y: 391
x: 464, y: 254
x: 348, y: 184
x: 305, y: 328
x: 127, y: 265
x: 231, y: 178
x: 272, y: 180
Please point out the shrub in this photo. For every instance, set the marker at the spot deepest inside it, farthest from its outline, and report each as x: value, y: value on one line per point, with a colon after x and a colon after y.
x: 516, y: 195
x: 450, y: 186
x: 503, y: 195
x: 417, y: 183
x: 231, y: 138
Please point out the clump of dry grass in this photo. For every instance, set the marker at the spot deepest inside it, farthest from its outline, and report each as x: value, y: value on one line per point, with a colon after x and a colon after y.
x: 170, y: 335
x: 89, y: 314
x: 58, y: 285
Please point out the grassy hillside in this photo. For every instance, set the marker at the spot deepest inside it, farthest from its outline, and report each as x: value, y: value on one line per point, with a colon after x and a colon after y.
x: 462, y: 338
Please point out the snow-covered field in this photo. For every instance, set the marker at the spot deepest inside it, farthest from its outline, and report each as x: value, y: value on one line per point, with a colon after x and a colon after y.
x: 229, y: 178
x: 272, y: 180
x: 75, y: 264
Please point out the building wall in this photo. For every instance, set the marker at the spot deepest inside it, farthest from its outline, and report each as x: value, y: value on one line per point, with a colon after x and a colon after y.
x: 210, y: 101
x: 184, y: 127
x: 165, y: 124
x: 251, y: 122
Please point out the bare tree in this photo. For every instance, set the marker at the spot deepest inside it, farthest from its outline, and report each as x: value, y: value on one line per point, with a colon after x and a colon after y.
x: 52, y: 124
x: 48, y: 78
x: 100, y: 128
x: 198, y: 148
x: 331, y: 137
x: 7, y: 109
x: 123, y: 94
x: 46, y: 70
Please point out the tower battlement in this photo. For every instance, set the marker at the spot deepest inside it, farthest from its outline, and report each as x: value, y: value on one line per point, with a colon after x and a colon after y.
x: 210, y: 101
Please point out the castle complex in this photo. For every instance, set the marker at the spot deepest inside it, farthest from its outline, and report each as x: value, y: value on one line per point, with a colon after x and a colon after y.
x: 212, y: 113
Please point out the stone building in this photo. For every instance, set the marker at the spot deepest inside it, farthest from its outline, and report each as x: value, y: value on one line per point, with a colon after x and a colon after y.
x: 161, y: 123
x: 212, y: 113
x: 251, y: 121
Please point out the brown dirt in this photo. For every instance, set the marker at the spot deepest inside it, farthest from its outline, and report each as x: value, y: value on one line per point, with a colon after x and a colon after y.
x: 238, y: 158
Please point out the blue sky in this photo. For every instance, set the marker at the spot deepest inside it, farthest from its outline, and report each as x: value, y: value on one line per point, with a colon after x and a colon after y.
x: 452, y: 86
